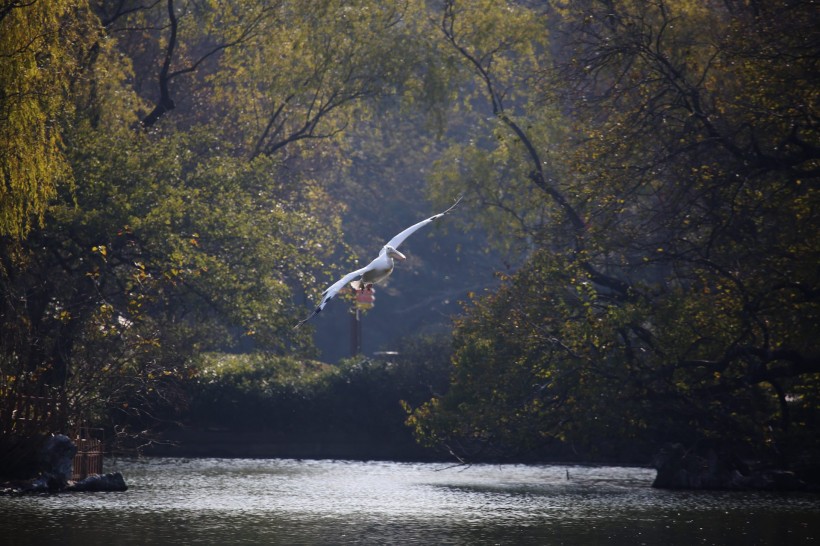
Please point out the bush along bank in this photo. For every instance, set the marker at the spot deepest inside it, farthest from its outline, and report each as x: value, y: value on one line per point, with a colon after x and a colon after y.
x: 263, y: 405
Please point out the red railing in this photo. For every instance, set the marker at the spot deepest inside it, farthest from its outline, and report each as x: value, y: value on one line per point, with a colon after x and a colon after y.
x: 89, y: 457
x: 28, y: 414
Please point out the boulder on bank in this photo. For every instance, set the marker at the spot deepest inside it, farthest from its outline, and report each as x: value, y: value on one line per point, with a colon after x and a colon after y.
x: 680, y: 468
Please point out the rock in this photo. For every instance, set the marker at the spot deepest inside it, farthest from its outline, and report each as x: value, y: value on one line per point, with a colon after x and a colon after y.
x: 679, y: 468
x: 56, y: 459
x: 46, y: 483
x: 100, y: 482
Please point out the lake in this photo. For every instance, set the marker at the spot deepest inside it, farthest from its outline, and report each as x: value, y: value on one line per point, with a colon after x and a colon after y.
x: 317, y: 502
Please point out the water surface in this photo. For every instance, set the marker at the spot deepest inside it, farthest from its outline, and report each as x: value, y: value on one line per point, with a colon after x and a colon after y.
x: 275, y: 501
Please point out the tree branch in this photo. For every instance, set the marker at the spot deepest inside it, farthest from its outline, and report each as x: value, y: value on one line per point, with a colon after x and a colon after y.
x: 165, y: 103
x: 537, y: 174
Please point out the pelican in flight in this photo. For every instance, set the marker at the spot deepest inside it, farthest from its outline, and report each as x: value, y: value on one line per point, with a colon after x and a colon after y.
x: 377, y: 270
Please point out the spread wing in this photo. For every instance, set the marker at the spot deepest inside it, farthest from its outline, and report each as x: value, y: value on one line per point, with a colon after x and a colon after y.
x: 399, y: 239
x: 332, y: 290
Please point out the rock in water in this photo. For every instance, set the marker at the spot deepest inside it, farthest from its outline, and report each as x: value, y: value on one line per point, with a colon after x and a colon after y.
x: 100, y: 482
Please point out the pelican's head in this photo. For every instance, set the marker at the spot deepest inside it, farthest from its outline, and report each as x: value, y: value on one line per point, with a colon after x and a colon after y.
x: 393, y: 253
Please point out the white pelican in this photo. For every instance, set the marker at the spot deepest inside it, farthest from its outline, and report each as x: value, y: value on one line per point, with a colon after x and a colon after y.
x: 377, y: 270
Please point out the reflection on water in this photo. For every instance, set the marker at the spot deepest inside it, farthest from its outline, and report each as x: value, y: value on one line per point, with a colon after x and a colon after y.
x: 233, y: 501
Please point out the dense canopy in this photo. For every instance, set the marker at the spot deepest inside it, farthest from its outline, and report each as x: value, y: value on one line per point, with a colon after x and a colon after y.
x: 177, y: 178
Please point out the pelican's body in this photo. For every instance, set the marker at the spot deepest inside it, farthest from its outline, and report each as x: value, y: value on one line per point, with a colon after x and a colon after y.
x: 377, y: 270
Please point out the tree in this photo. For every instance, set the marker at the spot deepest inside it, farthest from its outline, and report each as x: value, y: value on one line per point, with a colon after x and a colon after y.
x: 677, y: 264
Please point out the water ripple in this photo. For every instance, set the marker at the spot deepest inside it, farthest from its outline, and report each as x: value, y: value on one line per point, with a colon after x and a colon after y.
x: 211, y: 501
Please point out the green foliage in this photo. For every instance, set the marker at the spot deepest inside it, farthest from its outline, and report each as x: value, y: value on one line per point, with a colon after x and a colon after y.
x: 251, y: 390
x: 42, y: 47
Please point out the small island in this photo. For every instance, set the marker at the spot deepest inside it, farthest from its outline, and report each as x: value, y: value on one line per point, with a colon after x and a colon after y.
x: 50, y: 469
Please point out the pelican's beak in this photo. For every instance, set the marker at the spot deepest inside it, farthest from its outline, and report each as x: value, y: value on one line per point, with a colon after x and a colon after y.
x: 396, y: 254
